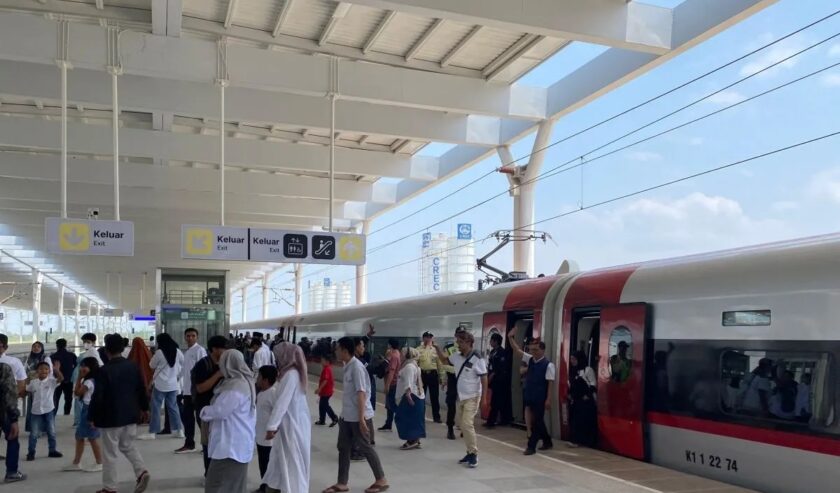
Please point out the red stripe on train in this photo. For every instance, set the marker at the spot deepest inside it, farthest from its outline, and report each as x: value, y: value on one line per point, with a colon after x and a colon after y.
x: 821, y: 445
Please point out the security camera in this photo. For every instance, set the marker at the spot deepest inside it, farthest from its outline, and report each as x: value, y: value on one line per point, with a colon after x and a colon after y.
x: 93, y: 213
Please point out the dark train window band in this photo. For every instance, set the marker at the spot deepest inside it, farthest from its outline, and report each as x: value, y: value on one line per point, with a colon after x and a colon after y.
x: 746, y: 318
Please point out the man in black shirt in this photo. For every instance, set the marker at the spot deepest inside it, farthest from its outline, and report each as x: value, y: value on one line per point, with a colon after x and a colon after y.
x: 499, y: 370
x: 205, y: 376
x: 119, y: 402
x: 67, y: 363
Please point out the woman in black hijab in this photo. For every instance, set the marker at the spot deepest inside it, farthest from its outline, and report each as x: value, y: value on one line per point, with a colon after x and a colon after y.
x: 583, y: 408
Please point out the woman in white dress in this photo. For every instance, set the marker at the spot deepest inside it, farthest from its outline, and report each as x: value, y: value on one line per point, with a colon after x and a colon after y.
x: 289, y: 425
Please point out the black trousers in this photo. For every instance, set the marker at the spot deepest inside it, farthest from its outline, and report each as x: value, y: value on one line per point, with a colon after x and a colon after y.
x: 538, y: 428
x: 451, y: 399
x: 324, y: 409
x: 65, y: 388
x: 431, y: 385
x: 500, y: 404
x: 189, y: 417
x: 263, y: 454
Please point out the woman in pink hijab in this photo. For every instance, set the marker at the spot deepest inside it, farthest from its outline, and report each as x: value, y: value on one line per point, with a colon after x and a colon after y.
x: 289, y: 425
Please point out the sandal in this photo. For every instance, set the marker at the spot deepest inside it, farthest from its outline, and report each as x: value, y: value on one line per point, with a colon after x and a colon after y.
x: 377, y: 488
x: 335, y: 489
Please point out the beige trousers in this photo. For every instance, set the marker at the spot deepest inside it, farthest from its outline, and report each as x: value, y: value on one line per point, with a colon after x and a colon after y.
x: 467, y: 410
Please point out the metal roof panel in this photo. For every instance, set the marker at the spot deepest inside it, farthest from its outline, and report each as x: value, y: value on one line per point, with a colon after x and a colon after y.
x: 403, y: 32
x: 444, y: 40
x: 357, y: 26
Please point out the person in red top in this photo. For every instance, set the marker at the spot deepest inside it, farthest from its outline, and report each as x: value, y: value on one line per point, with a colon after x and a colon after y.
x: 325, y: 391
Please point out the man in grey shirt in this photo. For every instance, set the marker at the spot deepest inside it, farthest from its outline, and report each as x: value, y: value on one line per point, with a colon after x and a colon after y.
x: 356, y: 421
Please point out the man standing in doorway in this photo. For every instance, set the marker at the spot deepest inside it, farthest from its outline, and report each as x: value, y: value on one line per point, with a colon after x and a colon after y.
x: 391, y: 382
x: 67, y: 363
x: 432, y: 371
x: 204, y: 376
x: 537, y: 394
x: 451, y: 387
x: 10, y: 424
x: 499, y: 380
x: 471, y: 382
x: 119, y: 402
x: 192, y: 355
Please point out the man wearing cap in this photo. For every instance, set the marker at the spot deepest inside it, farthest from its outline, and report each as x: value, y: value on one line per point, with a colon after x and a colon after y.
x: 620, y: 363
x: 537, y: 392
x: 451, y: 385
x: 432, y: 372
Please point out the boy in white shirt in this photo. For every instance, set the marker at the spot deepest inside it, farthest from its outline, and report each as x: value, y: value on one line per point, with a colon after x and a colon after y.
x: 266, y: 399
x: 43, y: 418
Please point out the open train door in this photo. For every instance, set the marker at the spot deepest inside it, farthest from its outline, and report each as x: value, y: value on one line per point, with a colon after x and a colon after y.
x: 621, y: 377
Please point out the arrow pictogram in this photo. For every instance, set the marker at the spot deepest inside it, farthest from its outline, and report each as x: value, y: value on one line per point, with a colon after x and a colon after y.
x: 74, y: 238
x: 198, y: 243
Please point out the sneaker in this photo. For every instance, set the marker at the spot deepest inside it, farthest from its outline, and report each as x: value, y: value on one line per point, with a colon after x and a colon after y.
x: 55, y: 454
x: 473, y: 462
x: 384, y: 428
x: 142, y: 482
x: 185, y: 450
x: 72, y: 468
x: 465, y: 460
x: 333, y: 424
x: 14, y: 478
x: 30, y: 457
x: 411, y: 446
x: 94, y: 468
x: 146, y: 436
x: 178, y: 434
x: 529, y: 451
x: 450, y: 435
x: 320, y: 423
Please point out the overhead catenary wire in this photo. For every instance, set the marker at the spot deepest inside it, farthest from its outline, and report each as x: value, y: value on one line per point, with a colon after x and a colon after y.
x: 629, y: 195
x: 570, y: 164
x: 611, y: 118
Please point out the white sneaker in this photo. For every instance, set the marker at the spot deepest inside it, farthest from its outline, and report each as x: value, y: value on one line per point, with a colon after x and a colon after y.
x: 72, y: 468
x: 146, y: 436
x: 178, y: 434
x: 94, y: 468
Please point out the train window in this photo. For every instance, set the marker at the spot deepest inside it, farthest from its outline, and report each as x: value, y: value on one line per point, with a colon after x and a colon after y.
x: 778, y: 386
x: 746, y: 318
x: 620, y: 353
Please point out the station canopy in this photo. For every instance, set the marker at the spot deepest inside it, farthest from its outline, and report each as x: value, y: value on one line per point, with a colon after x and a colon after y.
x: 405, y: 73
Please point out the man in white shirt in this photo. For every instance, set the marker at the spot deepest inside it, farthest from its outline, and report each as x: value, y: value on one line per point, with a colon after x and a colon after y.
x: 471, y: 378
x: 10, y: 429
x: 89, y: 343
x: 262, y: 355
x: 192, y: 355
x: 537, y: 392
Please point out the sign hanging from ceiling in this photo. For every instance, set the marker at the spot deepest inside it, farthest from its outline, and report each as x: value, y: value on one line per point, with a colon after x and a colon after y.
x: 89, y: 237
x: 271, y: 245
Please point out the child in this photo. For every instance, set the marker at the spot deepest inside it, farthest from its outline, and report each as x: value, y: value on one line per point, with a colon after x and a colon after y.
x: 42, y: 390
x: 85, y: 431
x: 325, y: 391
x: 266, y: 398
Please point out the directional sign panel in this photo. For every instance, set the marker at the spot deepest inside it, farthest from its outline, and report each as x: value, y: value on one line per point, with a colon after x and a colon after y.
x: 214, y: 242
x: 273, y: 245
x: 86, y: 237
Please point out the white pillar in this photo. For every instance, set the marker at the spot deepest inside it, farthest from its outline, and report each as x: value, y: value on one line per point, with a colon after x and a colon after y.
x: 265, y: 296
x: 298, y: 284
x: 61, y: 309
x: 119, y: 290
x: 244, y: 304
x: 36, y: 304
x: 76, y: 316
x: 361, y: 272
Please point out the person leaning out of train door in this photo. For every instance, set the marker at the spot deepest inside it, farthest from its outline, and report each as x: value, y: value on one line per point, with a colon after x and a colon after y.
x: 451, y: 387
x: 432, y: 372
x: 536, y: 394
x: 499, y: 368
x: 583, y: 409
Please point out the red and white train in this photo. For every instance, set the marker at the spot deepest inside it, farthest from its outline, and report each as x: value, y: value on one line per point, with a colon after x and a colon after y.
x: 734, y: 355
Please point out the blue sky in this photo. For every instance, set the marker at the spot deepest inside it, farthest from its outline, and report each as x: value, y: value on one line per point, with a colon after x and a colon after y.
x: 789, y: 195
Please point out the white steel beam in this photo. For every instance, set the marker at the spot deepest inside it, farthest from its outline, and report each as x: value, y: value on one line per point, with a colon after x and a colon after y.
x: 632, y: 25
x: 275, y: 156
x: 380, y: 29
x: 418, y: 45
x: 282, y: 17
x: 163, y: 97
x: 461, y: 46
x: 166, y: 17
x: 338, y: 14
x: 41, y: 167
x: 194, y: 60
x: 231, y: 13
x: 511, y: 55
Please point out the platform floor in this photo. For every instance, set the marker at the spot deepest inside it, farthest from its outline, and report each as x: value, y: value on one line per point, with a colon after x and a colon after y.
x: 432, y: 469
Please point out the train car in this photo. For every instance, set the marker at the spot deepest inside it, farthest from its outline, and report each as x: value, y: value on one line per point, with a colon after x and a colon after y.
x: 730, y: 359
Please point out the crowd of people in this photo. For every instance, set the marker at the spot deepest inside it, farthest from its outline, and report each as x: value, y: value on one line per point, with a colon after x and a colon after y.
x: 245, y: 394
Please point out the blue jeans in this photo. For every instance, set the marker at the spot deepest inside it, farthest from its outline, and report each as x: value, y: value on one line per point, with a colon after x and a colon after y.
x: 171, y: 401
x: 390, y: 405
x: 41, y: 423
x: 12, y: 450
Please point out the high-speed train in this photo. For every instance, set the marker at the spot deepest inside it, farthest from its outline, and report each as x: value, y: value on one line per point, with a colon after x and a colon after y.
x: 734, y: 356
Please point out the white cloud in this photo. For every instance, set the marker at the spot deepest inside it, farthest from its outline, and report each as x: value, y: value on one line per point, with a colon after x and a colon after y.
x: 726, y: 98
x: 696, y: 141
x: 771, y: 56
x: 644, y: 156
x: 785, y: 206
x: 830, y: 80
x: 834, y: 51
x: 825, y: 185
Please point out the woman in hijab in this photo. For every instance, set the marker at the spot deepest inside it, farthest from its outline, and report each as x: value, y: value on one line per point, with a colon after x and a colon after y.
x: 166, y: 366
x: 233, y: 420
x: 289, y: 425
x: 583, y: 411
x: 411, y: 410
x: 142, y: 357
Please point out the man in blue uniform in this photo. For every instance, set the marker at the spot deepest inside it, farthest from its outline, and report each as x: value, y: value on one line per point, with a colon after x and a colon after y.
x: 536, y: 394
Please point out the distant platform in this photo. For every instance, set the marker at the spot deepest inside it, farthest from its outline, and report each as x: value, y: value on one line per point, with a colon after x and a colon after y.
x: 432, y: 469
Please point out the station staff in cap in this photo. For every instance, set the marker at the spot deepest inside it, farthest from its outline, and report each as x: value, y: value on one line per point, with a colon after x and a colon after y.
x: 432, y: 373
